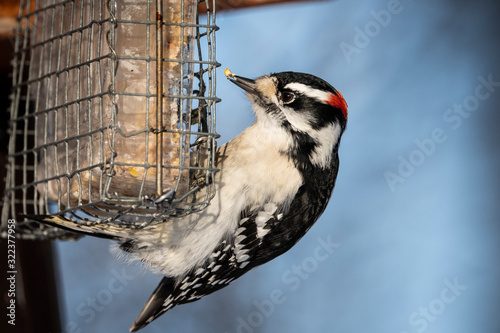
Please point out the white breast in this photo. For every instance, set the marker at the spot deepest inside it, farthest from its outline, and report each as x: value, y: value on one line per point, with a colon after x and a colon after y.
x: 253, y: 174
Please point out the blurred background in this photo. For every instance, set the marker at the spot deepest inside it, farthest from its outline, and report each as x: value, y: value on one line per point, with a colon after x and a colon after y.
x: 410, y: 240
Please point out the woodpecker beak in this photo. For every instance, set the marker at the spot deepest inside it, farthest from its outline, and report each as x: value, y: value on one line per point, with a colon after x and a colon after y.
x: 246, y: 84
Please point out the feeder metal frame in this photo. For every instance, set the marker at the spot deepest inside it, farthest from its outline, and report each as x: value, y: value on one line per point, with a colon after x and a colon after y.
x: 27, y: 186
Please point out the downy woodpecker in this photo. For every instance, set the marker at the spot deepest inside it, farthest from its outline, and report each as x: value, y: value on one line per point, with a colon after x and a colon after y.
x: 275, y: 181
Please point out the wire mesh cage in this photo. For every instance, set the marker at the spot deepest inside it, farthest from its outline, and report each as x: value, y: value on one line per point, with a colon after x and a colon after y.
x: 112, y: 113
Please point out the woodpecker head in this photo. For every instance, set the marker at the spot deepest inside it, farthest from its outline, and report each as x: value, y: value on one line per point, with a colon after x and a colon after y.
x: 311, y: 111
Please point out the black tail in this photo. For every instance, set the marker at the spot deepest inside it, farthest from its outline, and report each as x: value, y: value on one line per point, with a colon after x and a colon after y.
x: 155, y: 305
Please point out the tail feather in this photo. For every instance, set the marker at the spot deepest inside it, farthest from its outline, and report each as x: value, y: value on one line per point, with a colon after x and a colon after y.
x: 89, y: 227
x: 155, y: 306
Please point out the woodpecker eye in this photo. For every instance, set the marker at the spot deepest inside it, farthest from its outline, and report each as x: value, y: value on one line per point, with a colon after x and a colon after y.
x: 287, y: 97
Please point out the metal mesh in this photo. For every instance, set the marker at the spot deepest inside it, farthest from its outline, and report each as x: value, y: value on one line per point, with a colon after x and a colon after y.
x: 100, y: 129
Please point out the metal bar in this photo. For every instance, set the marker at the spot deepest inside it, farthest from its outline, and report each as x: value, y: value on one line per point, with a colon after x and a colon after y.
x: 159, y: 97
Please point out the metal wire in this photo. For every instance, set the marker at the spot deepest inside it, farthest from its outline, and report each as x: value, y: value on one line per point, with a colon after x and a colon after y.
x: 106, y: 129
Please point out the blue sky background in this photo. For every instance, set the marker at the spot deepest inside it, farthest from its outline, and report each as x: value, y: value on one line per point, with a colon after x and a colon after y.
x: 417, y: 254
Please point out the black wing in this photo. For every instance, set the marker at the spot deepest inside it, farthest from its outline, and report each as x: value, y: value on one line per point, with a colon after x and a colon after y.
x: 246, y: 250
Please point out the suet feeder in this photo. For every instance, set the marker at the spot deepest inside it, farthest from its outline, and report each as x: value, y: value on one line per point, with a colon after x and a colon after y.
x: 112, y: 112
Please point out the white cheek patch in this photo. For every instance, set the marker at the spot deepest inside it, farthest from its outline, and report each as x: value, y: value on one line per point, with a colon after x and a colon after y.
x: 326, y: 138
x: 299, y: 121
x: 320, y: 95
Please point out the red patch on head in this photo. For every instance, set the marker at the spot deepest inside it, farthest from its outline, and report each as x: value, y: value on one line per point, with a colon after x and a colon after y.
x: 338, y: 102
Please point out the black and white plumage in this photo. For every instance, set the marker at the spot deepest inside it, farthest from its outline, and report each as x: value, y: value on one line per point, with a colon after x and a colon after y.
x: 275, y: 181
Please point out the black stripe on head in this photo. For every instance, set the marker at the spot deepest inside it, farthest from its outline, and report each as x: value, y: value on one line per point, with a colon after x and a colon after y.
x: 315, y: 82
x: 318, y: 115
